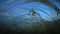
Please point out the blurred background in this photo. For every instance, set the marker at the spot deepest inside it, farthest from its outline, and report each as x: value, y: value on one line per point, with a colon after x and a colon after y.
x: 30, y: 16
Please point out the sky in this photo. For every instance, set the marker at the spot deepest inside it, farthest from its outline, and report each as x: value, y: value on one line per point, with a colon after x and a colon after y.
x: 16, y: 8
x: 55, y: 2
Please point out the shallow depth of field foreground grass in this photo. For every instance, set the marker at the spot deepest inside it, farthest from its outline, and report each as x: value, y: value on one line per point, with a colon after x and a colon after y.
x: 38, y: 27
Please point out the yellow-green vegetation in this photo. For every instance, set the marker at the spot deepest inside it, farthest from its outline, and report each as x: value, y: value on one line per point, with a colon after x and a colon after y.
x: 36, y: 26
